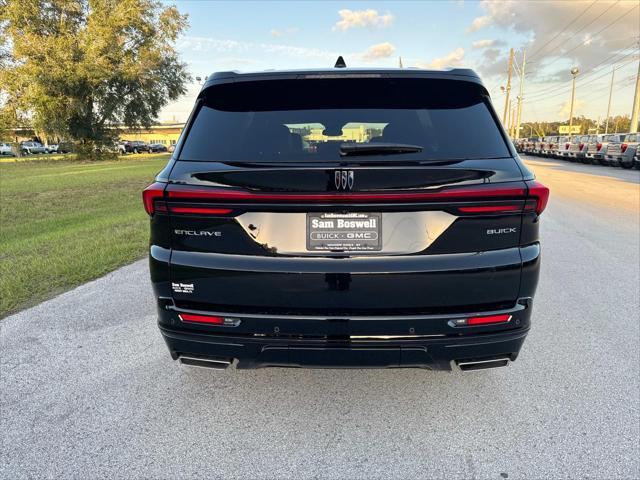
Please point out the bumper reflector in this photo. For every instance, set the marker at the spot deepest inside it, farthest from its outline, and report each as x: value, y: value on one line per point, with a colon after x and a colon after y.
x: 209, y: 319
x: 488, y: 320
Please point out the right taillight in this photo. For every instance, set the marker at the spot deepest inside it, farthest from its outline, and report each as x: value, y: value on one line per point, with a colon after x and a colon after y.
x: 540, y: 193
x: 623, y: 147
x: 566, y: 145
x: 150, y: 195
x: 599, y: 146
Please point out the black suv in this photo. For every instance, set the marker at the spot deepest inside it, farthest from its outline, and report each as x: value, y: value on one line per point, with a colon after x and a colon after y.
x: 135, y: 146
x: 345, y: 218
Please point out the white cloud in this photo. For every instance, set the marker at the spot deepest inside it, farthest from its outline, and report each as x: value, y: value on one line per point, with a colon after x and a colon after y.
x: 586, y: 44
x: 479, y: 23
x: 452, y: 59
x: 215, y: 45
x: 315, y: 56
x: 484, y: 43
x: 381, y: 50
x: 362, y: 18
x: 275, y: 33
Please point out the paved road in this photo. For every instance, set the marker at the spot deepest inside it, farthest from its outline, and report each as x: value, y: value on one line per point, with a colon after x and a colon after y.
x: 88, y: 388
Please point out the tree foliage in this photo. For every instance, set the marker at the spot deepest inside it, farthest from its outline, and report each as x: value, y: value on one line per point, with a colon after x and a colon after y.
x: 617, y: 124
x: 80, y: 69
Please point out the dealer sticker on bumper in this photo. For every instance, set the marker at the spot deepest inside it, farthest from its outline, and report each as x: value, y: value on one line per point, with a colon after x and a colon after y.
x: 348, y: 232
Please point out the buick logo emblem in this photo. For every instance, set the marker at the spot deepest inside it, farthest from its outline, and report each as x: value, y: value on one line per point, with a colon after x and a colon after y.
x: 344, y: 179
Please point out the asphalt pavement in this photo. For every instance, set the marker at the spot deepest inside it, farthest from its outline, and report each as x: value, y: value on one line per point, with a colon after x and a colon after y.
x: 88, y: 390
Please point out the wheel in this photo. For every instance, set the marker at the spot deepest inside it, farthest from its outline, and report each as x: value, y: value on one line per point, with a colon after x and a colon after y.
x: 626, y: 165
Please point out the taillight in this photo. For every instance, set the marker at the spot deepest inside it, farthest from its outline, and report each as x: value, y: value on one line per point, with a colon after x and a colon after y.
x: 153, y: 192
x: 599, y: 146
x: 485, y: 320
x: 623, y: 147
x: 190, y: 193
x: 580, y: 146
x: 199, y: 210
x: 491, y: 209
x: 540, y: 193
x: 566, y: 145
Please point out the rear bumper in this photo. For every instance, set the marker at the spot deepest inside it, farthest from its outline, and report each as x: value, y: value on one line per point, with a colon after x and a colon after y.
x: 355, y: 342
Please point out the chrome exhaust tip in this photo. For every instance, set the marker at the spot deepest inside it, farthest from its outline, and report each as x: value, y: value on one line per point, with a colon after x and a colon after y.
x: 469, y: 365
x: 203, y: 362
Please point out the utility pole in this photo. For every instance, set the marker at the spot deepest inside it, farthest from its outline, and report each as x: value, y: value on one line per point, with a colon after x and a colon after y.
x: 574, y: 72
x: 606, y: 125
x: 520, y: 98
x: 509, y: 124
x: 636, y: 104
x: 400, y: 62
x: 506, y: 101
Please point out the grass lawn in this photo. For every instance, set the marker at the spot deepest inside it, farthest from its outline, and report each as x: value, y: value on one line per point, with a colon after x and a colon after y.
x: 63, y: 223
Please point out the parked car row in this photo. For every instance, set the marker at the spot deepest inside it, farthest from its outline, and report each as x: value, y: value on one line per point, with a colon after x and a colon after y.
x: 138, y: 146
x: 34, y: 148
x: 614, y: 149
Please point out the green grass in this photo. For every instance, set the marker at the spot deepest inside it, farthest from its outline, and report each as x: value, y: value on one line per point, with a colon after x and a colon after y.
x: 63, y: 223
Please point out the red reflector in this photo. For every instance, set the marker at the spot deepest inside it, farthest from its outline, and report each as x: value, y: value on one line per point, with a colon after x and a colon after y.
x: 540, y: 193
x: 200, y: 210
x: 623, y: 147
x: 190, y: 317
x: 151, y: 194
x: 490, y: 209
x: 488, y: 320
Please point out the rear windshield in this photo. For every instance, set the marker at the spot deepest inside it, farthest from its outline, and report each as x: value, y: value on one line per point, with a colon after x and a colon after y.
x: 309, y: 120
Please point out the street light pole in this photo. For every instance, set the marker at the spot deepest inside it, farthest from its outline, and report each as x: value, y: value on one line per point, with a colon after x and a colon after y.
x: 574, y: 72
x: 508, y: 89
x: 636, y: 105
x: 606, y: 124
x: 520, y: 98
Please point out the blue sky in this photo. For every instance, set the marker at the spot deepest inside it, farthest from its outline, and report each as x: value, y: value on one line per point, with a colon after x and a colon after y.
x: 247, y: 36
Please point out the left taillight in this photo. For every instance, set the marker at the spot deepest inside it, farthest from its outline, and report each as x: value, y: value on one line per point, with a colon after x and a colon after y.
x: 540, y: 193
x: 623, y: 147
x: 150, y: 197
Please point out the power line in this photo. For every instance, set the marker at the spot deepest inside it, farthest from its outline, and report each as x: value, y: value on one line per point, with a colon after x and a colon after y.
x: 564, y: 29
x: 589, y: 72
x: 621, y: 84
x: 566, y: 89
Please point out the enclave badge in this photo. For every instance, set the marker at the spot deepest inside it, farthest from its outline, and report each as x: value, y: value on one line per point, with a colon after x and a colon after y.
x: 344, y: 179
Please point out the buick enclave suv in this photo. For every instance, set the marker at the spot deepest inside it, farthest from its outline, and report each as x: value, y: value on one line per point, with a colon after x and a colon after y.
x: 345, y: 218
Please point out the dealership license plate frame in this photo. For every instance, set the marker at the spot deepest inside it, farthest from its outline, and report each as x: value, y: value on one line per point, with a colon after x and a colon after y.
x: 350, y: 239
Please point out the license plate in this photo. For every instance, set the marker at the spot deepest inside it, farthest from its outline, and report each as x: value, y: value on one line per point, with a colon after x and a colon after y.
x: 344, y: 232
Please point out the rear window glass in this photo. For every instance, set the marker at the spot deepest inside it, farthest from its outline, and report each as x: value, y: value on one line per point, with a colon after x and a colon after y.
x: 310, y: 120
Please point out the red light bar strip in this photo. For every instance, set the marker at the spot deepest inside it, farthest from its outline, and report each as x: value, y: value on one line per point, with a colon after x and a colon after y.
x: 185, y: 192
x: 190, y: 317
x: 491, y: 209
x: 489, y: 319
x: 200, y: 210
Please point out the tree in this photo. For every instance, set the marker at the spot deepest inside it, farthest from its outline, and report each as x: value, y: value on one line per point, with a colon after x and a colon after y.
x: 81, y: 69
